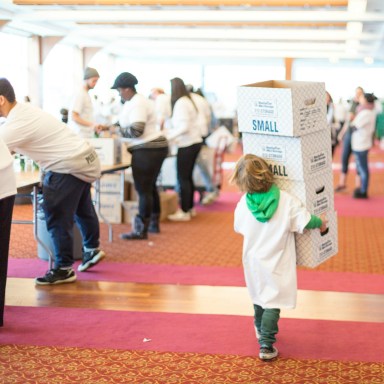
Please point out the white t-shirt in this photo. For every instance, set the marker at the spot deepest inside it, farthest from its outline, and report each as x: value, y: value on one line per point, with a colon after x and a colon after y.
x: 139, y: 110
x: 185, y: 130
x: 203, y: 113
x: 365, y: 122
x: 82, y: 104
x: 7, y: 176
x: 52, y: 144
x: 269, y: 253
x: 162, y: 108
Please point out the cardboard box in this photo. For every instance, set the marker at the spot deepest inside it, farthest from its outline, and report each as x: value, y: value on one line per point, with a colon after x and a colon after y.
x: 313, y: 248
x: 169, y: 203
x: 110, y: 183
x: 130, y: 210
x: 108, y: 150
x: 281, y: 108
x: 315, y: 193
x: 110, y: 208
x: 293, y: 158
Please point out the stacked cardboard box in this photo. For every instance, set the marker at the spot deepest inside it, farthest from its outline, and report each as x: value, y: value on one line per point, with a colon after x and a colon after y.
x: 285, y: 123
x: 110, y: 198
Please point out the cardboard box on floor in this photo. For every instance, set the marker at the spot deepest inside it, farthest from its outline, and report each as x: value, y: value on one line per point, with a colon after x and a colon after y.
x: 292, y: 158
x: 108, y: 150
x: 313, y: 248
x: 168, y: 205
x: 281, y: 108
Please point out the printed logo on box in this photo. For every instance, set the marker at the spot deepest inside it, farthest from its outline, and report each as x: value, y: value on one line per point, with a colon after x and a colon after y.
x: 273, y: 152
x: 265, y: 108
x: 317, y: 161
x: 326, y: 249
x: 320, y: 205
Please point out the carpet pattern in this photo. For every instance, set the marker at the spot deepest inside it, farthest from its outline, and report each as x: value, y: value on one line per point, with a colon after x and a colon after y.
x: 56, y: 365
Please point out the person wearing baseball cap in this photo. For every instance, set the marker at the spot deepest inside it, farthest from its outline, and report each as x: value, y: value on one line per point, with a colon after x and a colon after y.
x: 148, y: 147
x: 82, y: 119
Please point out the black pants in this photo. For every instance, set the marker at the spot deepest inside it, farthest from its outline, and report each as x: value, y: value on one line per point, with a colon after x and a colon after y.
x: 6, y: 209
x: 146, y: 166
x: 186, y: 158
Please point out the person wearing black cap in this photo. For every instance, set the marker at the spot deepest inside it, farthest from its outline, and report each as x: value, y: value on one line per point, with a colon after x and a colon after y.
x: 82, y: 113
x: 363, y: 128
x: 148, y: 147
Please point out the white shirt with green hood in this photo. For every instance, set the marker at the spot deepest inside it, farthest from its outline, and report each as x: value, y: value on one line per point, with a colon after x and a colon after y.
x: 268, y: 222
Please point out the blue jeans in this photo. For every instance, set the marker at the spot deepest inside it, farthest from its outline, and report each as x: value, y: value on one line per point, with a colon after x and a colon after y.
x: 68, y: 199
x: 202, y: 166
x: 361, y: 158
x: 346, y: 151
x: 266, y: 322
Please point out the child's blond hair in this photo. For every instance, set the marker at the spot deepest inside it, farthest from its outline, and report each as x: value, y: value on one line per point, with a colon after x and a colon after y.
x: 252, y: 174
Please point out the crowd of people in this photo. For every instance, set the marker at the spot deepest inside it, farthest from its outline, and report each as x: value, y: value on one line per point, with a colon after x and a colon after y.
x: 151, y: 127
x: 354, y: 130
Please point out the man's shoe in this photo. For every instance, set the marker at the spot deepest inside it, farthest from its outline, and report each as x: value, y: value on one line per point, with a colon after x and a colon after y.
x: 90, y: 259
x: 268, y: 353
x: 57, y: 276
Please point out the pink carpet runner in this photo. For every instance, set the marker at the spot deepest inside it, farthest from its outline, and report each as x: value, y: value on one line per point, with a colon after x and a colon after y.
x: 161, y: 332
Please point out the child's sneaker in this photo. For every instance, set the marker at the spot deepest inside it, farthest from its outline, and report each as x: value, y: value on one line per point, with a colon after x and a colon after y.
x: 268, y: 353
x: 90, y: 259
x: 57, y: 276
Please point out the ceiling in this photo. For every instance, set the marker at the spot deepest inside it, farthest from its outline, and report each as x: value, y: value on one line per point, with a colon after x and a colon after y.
x: 207, y: 30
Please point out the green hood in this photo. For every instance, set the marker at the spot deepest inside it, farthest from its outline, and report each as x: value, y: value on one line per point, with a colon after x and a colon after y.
x: 263, y: 205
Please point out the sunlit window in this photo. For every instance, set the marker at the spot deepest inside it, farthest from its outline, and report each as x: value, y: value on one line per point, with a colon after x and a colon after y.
x: 14, y: 62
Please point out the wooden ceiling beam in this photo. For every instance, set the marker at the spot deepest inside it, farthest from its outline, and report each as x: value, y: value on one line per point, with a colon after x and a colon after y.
x: 214, y: 24
x: 213, y: 3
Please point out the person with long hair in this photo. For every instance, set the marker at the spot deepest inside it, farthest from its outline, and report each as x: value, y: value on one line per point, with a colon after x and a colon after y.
x: 186, y: 135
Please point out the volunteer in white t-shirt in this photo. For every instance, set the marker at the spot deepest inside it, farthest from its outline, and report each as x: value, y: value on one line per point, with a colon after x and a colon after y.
x: 186, y: 135
x: 7, y: 198
x: 148, y: 147
x: 82, y: 119
x: 162, y: 106
x: 69, y: 165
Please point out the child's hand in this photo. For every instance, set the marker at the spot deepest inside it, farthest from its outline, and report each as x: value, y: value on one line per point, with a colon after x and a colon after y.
x: 324, y: 219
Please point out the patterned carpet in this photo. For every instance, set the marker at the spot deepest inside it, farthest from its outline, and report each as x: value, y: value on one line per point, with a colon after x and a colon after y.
x: 107, y: 366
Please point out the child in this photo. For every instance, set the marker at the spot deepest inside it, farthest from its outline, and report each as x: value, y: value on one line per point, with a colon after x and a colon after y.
x: 267, y: 218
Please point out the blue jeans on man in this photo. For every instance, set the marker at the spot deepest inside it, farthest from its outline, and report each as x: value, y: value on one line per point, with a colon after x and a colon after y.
x: 68, y: 199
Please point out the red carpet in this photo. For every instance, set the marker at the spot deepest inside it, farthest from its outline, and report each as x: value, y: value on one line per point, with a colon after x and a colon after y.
x: 347, y: 206
x: 193, y: 275
x: 84, y: 328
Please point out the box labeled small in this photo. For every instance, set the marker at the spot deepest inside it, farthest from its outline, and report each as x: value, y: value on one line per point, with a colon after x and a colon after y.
x: 281, y: 108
